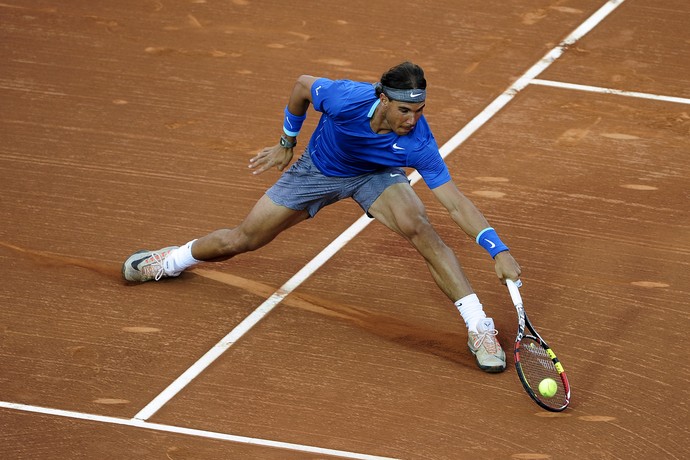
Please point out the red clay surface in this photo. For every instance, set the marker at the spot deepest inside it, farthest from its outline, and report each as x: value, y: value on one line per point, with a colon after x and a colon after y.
x: 130, y: 124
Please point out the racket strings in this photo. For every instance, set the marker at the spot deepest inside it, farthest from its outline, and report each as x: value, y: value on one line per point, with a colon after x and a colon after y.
x: 536, y: 366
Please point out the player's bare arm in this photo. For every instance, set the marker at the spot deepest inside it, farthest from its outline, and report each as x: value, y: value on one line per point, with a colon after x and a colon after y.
x: 461, y: 209
x: 281, y: 154
x: 464, y: 213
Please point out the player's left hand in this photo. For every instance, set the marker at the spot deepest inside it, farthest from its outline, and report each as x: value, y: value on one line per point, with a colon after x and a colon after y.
x: 269, y: 157
x: 507, y: 267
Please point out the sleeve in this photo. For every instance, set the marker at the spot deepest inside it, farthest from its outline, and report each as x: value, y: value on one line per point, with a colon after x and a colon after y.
x: 324, y: 95
x: 434, y: 170
x: 428, y: 160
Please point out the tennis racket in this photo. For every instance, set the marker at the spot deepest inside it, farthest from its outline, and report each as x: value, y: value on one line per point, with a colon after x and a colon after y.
x: 536, y: 361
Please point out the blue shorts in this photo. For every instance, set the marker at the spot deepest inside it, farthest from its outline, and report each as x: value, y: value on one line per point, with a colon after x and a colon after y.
x: 304, y: 187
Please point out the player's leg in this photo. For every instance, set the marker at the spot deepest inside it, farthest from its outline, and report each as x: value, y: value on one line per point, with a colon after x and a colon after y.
x: 400, y: 209
x: 263, y: 223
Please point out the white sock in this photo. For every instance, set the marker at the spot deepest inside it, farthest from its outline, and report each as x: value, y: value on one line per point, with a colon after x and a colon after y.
x: 180, y: 259
x: 471, y: 310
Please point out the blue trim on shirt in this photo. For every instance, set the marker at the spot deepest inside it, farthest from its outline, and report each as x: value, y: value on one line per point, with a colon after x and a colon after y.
x: 373, y: 108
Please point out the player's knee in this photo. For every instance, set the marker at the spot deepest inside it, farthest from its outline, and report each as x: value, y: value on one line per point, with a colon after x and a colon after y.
x: 237, y: 241
x: 417, y: 227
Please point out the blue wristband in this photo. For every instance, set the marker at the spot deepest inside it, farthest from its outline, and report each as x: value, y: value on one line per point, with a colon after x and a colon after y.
x: 292, y: 124
x: 489, y: 240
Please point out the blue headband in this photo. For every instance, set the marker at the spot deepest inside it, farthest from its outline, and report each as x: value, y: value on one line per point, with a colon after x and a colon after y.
x: 405, y: 95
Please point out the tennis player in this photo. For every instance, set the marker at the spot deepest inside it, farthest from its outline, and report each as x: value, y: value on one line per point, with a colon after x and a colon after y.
x: 365, y: 135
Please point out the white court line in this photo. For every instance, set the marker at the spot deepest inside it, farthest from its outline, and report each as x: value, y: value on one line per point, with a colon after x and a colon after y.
x: 189, y: 431
x: 257, y: 315
x: 596, y: 89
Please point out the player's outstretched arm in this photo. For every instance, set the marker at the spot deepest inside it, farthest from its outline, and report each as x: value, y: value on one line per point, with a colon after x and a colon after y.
x: 463, y: 211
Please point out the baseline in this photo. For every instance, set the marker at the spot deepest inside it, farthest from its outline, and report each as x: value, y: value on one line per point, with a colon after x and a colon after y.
x: 189, y: 431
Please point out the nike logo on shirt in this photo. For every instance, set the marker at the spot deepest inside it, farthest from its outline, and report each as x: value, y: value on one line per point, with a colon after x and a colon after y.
x: 397, y: 147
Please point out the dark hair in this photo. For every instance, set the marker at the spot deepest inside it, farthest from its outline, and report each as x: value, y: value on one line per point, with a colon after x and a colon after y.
x: 403, y: 76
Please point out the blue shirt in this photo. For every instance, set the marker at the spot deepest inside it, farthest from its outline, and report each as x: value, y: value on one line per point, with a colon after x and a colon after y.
x: 344, y: 145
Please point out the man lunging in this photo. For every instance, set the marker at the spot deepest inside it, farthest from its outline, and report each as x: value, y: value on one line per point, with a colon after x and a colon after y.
x: 365, y: 135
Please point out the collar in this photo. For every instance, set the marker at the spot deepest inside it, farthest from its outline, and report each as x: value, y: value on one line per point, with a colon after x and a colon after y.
x: 373, y: 108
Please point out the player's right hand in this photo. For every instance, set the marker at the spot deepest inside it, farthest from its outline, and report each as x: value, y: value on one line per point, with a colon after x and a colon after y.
x: 507, y: 267
x: 269, y: 157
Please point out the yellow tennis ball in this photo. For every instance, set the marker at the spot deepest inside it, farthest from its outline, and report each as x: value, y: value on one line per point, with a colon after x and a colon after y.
x: 548, y: 388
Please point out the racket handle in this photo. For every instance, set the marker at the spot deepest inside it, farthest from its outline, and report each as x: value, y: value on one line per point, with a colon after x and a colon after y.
x: 513, y: 288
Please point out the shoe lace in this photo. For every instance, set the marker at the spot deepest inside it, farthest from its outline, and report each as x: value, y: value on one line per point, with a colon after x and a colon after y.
x: 486, y: 339
x: 155, y: 266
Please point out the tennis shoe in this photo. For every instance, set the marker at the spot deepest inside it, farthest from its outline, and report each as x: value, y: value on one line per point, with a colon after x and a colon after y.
x: 485, y: 347
x: 145, y: 265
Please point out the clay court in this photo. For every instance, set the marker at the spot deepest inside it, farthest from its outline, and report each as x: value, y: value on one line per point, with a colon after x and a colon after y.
x: 130, y: 124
